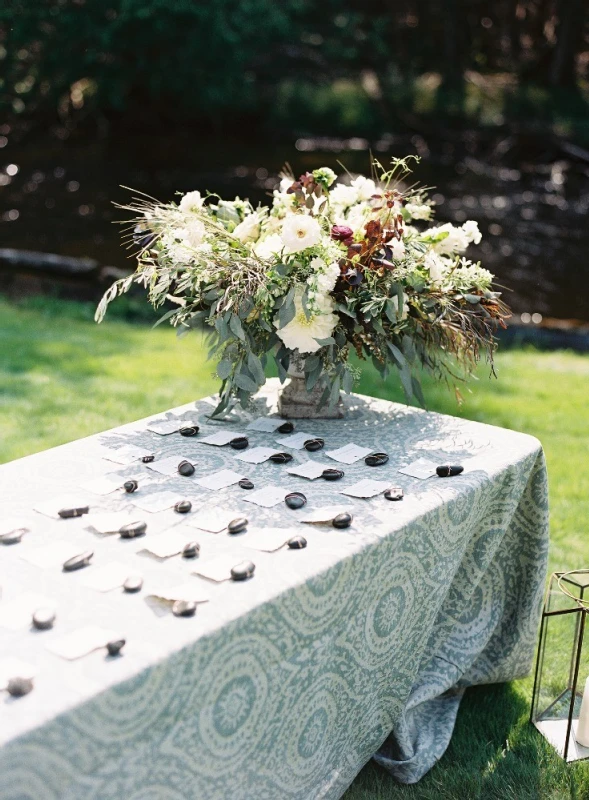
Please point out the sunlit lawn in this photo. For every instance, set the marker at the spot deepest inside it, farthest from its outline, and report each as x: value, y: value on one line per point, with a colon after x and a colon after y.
x: 63, y: 377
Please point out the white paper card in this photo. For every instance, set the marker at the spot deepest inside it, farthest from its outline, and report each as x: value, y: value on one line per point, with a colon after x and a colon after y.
x: 52, y: 555
x: 107, y: 577
x: 349, y: 454
x: 82, y: 641
x: 220, y: 438
x: 220, y: 480
x: 422, y: 468
x: 17, y: 613
x: 11, y: 667
x: 267, y: 539
x: 50, y: 507
x: 296, y: 441
x: 267, y: 497
x: 265, y: 424
x: 169, y: 466
x: 158, y: 501
x: 191, y: 590
x: 10, y: 524
x: 219, y: 568
x: 213, y: 520
x: 168, y: 426
x: 310, y: 469
x: 324, y: 514
x: 108, y: 521
x: 128, y: 454
x: 256, y: 455
x: 169, y: 543
x: 366, y: 488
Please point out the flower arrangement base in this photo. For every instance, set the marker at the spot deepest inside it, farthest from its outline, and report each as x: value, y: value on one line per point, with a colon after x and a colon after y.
x: 295, y: 402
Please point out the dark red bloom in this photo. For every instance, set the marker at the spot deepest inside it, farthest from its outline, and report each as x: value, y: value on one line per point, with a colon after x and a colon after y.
x: 341, y: 233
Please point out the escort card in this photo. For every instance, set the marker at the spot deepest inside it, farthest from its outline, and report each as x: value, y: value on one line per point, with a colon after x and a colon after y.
x: 17, y: 612
x: 366, y: 488
x: 220, y: 438
x: 220, y: 480
x: 128, y: 454
x: 349, y: 454
x: 11, y: 667
x: 10, y: 524
x: 265, y: 424
x: 256, y: 455
x: 50, y: 507
x: 52, y: 555
x: 268, y: 540
x: 168, y: 426
x: 267, y: 497
x: 213, y: 520
x: 81, y: 642
x: 218, y: 569
x: 106, y: 577
x: 296, y: 441
x: 421, y: 468
x: 169, y: 543
x: 158, y: 501
x: 190, y: 590
x: 109, y: 521
x: 310, y: 469
x: 169, y: 466
x: 325, y: 514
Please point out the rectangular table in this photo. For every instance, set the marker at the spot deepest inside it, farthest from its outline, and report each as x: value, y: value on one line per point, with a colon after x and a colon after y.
x: 282, y: 686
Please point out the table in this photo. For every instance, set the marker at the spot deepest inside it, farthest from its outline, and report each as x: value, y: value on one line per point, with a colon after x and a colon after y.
x: 283, y: 686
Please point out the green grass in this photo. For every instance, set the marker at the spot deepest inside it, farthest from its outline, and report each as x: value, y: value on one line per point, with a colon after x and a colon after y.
x: 62, y: 377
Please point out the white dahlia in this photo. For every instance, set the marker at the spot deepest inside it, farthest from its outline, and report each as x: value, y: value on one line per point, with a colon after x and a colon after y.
x: 300, y: 231
x: 301, y: 333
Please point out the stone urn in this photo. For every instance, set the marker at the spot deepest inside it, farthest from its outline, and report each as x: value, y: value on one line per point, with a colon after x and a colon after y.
x: 295, y: 402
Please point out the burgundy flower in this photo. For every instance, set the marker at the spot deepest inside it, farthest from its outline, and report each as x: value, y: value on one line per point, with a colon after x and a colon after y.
x: 342, y: 233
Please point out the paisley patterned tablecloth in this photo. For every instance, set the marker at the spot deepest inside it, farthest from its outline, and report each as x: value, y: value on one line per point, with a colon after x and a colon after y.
x: 286, y: 685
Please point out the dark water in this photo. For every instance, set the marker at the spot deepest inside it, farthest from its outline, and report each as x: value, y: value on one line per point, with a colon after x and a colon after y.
x: 56, y: 197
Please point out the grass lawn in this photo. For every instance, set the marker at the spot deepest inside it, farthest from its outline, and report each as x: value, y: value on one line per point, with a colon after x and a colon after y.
x: 63, y: 377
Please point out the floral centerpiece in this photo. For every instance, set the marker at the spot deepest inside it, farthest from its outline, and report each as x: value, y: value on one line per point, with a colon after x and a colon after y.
x: 327, y: 270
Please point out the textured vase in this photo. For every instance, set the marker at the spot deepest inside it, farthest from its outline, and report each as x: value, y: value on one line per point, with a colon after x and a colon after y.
x: 295, y: 402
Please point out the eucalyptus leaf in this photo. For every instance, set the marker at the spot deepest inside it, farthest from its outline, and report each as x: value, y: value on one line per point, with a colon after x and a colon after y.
x: 222, y: 329
x: 255, y: 367
x: 245, y: 383
x: 166, y: 316
x: 397, y: 355
x: 313, y: 376
x: 326, y: 342
x: 345, y: 310
x: 390, y: 310
x: 311, y: 363
x: 288, y: 311
x: 348, y: 382
x: 417, y: 391
x: 224, y: 368
x: 334, y: 393
x: 472, y: 298
x: 236, y: 327
x: 406, y: 381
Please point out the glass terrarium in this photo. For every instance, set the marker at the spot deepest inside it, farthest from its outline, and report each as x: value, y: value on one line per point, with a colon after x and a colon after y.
x: 560, y: 702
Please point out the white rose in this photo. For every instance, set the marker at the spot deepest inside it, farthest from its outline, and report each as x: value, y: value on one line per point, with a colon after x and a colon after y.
x: 249, y: 229
x: 269, y: 247
x: 301, y: 333
x: 300, y: 231
x: 342, y: 195
x: 191, y: 202
x: 365, y: 187
x: 398, y: 248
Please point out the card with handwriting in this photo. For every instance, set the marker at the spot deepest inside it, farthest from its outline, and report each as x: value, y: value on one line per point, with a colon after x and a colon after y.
x: 349, y: 454
x: 213, y: 520
x: 169, y: 543
x: 296, y: 441
x: 267, y: 497
x: 220, y: 480
x: 256, y: 455
x: 169, y: 466
x: 82, y: 641
x: 220, y: 438
x: 421, y: 468
x: 310, y: 469
x: 265, y: 424
x: 190, y: 590
x: 366, y: 488
x: 217, y: 569
x: 158, y: 501
x: 325, y: 513
x: 128, y: 454
x: 165, y: 427
x: 268, y: 539
x: 50, y: 508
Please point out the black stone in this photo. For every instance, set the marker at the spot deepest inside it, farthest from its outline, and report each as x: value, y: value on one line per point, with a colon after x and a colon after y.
x: 237, y: 525
x: 132, y: 530
x: 114, y: 648
x: 78, y: 562
x: 312, y: 445
x: 446, y: 470
x: 43, y: 619
x: 239, y: 443
x: 343, y: 520
x: 295, y: 500
x: 376, y: 459
x: 68, y: 513
x: 130, y: 486
x: 184, y: 608
x: 147, y: 459
x: 18, y: 687
x: 297, y: 543
x: 189, y: 430
x: 286, y: 427
x: 332, y: 474
x: 243, y: 571
x: 394, y: 493
x: 191, y: 550
x: 134, y: 583
x: 245, y: 483
x: 183, y: 506
x: 280, y: 458
x: 13, y: 537
x: 186, y: 468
